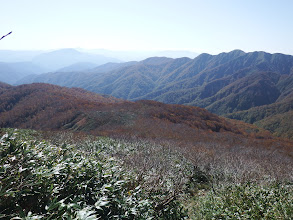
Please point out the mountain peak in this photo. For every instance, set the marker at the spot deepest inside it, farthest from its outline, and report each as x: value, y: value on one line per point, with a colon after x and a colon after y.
x: 203, y: 56
x: 237, y: 52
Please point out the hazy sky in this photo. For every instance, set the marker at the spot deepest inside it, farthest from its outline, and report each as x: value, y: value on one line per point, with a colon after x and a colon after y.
x: 210, y: 26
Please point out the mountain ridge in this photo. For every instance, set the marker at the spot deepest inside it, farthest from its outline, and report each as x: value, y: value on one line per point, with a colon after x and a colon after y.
x: 46, y: 106
x: 223, y: 84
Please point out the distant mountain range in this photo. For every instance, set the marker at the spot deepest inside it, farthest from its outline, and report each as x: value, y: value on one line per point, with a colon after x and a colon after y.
x: 37, y: 62
x: 141, y: 55
x: 223, y: 84
x: 65, y: 57
x: 13, y: 56
x: 15, y: 65
x: 11, y: 72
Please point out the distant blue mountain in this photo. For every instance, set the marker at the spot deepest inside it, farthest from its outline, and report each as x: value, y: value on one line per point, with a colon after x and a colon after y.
x: 65, y: 57
x: 11, y: 72
x: 15, y: 65
x: 81, y: 66
x: 13, y: 56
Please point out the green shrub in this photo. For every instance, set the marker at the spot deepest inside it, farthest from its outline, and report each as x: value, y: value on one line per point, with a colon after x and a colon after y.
x: 39, y: 180
x: 246, y: 201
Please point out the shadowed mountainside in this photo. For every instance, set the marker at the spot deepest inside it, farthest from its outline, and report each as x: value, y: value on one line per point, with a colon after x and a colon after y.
x: 276, y: 117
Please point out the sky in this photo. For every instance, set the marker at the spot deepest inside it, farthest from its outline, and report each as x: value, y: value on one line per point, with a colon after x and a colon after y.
x: 202, y: 26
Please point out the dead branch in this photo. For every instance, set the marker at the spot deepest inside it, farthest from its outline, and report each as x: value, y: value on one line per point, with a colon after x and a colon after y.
x: 5, y: 35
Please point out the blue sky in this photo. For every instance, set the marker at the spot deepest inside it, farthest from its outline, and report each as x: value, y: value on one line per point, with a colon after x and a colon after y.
x: 210, y: 26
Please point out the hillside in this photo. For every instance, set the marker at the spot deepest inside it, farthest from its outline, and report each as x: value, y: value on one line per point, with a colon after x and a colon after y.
x: 276, y: 117
x: 126, y: 81
x: 81, y: 66
x: 223, y: 84
x: 47, y: 107
x: 164, y: 161
x: 4, y: 85
x: 44, y: 106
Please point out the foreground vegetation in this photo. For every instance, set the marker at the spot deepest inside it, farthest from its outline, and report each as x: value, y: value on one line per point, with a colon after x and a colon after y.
x: 40, y: 180
x: 69, y: 176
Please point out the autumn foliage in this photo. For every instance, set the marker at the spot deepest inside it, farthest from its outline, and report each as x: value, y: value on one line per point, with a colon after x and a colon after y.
x: 180, y: 155
x: 49, y: 107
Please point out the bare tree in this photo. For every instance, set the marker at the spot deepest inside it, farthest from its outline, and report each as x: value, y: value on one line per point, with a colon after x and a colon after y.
x: 5, y: 35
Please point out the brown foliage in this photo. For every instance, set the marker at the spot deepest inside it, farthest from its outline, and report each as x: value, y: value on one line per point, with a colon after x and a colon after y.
x: 48, y: 107
x: 4, y: 86
x: 44, y: 106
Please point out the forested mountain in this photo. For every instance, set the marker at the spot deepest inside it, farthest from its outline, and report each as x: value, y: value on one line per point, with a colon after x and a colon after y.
x: 45, y: 106
x: 214, y: 82
x: 276, y: 117
x: 4, y: 86
x: 223, y: 84
x: 81, y: 66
